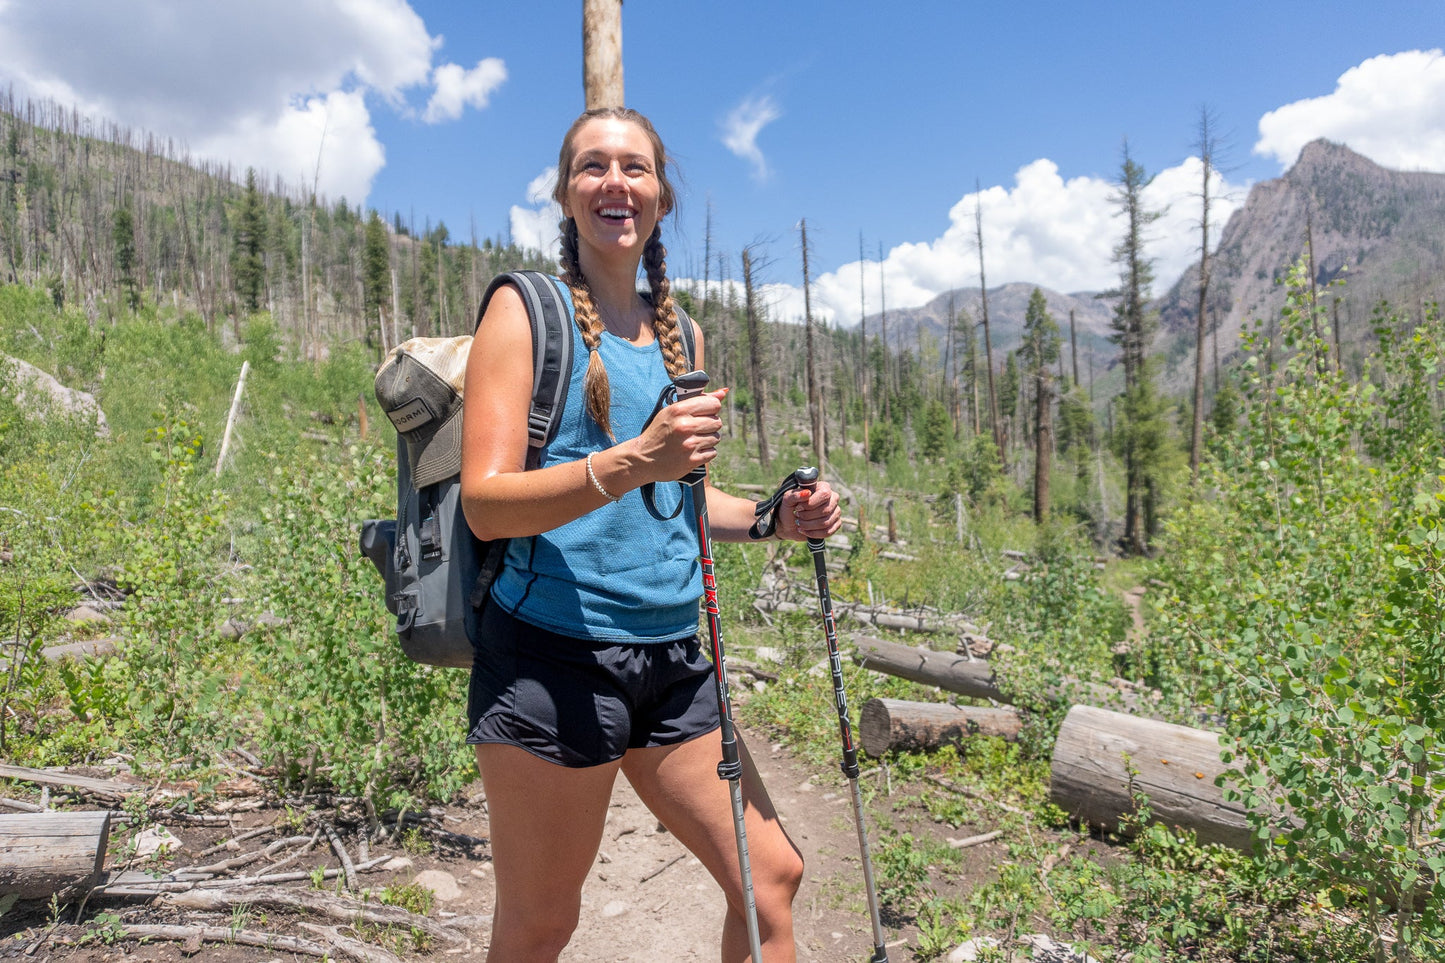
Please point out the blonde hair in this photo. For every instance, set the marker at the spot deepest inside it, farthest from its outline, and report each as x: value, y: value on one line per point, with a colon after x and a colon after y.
x: 595, y: 386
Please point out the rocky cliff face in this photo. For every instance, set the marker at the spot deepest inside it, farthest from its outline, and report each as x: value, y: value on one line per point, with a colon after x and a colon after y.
x: 1381, y: 231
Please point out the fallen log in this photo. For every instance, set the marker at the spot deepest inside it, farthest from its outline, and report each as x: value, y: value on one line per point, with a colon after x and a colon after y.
x: 46, y: 853
x: 104, y: 788
x: 305, y: 903
x: 946, y: 670
x: 957, y: 673
x: 196, y: 935
x: 1102, y: 758
x: 880, y: 617
x: 887, y: 724
x: 86, y: 649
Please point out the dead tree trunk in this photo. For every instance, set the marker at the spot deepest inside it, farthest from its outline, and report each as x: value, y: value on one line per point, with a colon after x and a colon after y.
x: 46, y: 853
x: 1103, y: 759
x: 602, y: 52
x: 888, y: 724
x: 756, y: 377
x: 955, y: 673
x: 994, y: 423
x: 815, y: 400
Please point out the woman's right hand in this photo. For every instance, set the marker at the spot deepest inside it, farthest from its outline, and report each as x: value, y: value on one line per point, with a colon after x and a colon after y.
x: 683, y: 436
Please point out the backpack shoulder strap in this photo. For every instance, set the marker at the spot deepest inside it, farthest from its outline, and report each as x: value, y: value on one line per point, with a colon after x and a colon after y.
x: 551, y: 350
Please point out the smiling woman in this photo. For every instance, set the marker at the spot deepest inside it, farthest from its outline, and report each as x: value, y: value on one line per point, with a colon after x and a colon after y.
x: 589, y: 662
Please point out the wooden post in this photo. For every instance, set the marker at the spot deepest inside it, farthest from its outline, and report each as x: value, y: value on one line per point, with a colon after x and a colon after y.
x: 231, y: 419
x: 361, y: 414
x: 602, y: 53
x: 958, y: 514
x: 892, y: 524
x: 46, y: 853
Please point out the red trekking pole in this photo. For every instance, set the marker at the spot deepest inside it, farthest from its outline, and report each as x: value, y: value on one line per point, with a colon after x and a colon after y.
x: 730, y: 769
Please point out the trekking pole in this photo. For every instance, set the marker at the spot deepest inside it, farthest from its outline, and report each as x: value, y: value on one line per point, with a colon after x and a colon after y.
x: 806, y: 479
x: 730, y: 769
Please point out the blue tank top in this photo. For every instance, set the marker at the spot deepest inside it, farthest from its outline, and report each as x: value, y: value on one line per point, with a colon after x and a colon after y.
x: 616, y: 574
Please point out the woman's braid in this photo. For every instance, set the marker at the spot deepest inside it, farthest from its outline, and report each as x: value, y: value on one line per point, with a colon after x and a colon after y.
x: 664, y: 314
x: 595, y: 386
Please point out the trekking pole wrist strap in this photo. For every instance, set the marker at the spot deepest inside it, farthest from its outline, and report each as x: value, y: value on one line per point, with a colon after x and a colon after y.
x: 765, y: 512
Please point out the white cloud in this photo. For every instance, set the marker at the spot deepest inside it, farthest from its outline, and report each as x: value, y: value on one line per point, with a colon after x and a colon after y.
x: 536, y: 227
x: 1044, y: 230
x: 741, y: 127
x: 1391, y: 108
x: 326, y: 139
x: 457, y: 89
x: 268, y: 83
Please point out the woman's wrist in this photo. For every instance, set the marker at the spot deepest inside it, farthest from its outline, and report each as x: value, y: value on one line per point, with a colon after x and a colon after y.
x: 596, y: 482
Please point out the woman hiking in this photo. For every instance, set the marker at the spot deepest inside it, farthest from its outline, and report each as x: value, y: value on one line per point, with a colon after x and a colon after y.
x: 591, y: 663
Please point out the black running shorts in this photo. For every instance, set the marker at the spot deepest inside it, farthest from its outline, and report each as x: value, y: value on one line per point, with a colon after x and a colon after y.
x: 582, y: 703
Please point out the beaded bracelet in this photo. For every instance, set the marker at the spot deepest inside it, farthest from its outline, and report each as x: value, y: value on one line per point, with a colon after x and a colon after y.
x: 592, y: 477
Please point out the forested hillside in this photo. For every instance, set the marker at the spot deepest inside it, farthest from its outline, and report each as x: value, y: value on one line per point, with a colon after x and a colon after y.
x: 99, y: 214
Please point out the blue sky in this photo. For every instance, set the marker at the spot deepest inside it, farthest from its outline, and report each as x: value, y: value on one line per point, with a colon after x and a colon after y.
x: 864, y: 118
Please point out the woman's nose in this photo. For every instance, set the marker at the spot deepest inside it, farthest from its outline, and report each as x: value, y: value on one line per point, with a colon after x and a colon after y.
x: 613, y: 175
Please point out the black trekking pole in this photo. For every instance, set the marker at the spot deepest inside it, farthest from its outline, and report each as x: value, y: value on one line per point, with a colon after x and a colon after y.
x: 730, y: 769
x: 806, y: 479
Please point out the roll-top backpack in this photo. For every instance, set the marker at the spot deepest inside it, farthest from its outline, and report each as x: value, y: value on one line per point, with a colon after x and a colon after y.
x: 438, y: 574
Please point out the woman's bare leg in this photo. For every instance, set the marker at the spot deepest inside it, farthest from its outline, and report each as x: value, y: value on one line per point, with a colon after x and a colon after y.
x: 681, y: 786
x: 546, y: 825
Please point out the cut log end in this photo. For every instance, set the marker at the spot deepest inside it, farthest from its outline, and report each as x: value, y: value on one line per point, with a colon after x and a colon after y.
x: 893, y: 724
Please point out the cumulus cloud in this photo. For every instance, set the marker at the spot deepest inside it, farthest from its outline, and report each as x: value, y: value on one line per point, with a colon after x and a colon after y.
x: 535, y: 227
x: 741, y: 127
x: 270, y: 83
x: 328, y: 141
x: 1047, y: 230
x: 457, y: 89
x: 1391, y: 108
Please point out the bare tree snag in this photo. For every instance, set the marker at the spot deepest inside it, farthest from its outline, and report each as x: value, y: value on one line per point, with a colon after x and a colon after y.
x: 1206, y: 147
x: 995, y: 424
x: 887, y: 724
x: 231, y: 418
x: 602, y: 53
x: 45, y: 853
x: 1102, y: 758
x: 815, y: 400
x: 753, y: 316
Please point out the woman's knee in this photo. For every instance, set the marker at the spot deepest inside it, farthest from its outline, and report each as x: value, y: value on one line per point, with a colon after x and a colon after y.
x: 778, y: 877
x: 533, y: 933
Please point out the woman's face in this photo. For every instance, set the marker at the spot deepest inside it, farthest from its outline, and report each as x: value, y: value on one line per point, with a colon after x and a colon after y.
x: 613, y: 191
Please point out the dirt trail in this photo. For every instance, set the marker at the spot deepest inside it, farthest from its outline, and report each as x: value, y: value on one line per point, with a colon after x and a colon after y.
x: 646, y: 900
x: 677, y: 913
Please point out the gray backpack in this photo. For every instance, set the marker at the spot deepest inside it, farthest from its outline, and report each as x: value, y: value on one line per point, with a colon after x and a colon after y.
x: 438, y: 574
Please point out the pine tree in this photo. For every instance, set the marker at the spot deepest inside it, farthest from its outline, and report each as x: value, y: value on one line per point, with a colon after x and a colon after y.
x: 376, y: 275
x: 122, y: 235
x: 1039, y: 350
x: 1141, y: 433
x: 247, y: 262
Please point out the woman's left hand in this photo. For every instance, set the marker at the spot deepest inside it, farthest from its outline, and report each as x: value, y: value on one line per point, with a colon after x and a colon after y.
x: 807, y: 513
